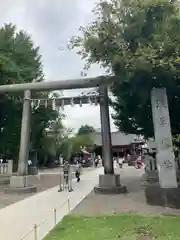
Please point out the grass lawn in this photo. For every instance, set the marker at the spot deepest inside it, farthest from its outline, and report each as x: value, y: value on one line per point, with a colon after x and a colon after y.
x: 124, y: 227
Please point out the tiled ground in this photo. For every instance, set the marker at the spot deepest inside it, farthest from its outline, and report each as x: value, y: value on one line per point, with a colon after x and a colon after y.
x: 134, y: 201
x: 21, y: 217
x: 48, y: 179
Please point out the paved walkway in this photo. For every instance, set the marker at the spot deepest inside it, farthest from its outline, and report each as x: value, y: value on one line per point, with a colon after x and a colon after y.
x: 18, y: 219
x: 55, y: 171
x: 46, y: 179
x: 132, y: 202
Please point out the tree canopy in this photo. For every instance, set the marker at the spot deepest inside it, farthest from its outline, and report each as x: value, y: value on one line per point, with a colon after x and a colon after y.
x: 139, y: 42
x: 85, y: 129
x: 71, y: 145
x: 20, y: 62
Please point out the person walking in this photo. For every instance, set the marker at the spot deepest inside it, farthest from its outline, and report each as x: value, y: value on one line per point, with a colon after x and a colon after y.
x: 96, y: 162
x: 78, y: 171
x: 139, y: 162
x: 66, y: 170
x: 120, y: 162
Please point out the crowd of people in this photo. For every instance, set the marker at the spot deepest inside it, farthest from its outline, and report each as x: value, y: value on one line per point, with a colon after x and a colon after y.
x: 138, y: 163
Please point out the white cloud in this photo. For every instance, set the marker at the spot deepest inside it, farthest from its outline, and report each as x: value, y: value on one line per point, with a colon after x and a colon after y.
x: 51, y: 24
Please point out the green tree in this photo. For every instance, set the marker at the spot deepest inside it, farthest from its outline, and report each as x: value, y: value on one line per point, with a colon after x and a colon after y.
x: 43, y: 136
x: 20, y: 62
x: 83, y: 141
x: 137, y: 41
x: 74, y: 144
x: 65, y: 147
x: 85, y: 129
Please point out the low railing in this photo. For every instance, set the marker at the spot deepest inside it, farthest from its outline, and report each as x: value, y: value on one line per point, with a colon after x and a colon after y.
x: 6, y: 168
x: 151, y: 165
x: 3, y: 168
x: 34, y: 234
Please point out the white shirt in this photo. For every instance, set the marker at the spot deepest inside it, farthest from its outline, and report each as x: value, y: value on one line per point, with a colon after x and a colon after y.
x: 120, y: 160
x: 78, y: 167
x: 29, y: 162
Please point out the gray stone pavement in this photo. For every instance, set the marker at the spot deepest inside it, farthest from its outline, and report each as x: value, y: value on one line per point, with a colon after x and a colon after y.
x: 46, y: 179
x: 132, y: 202
x: 17, y: 220
x: 94, y: 204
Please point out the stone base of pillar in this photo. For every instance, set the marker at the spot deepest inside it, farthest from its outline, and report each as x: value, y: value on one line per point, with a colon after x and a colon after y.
x: 157, y: 196
x: 19, y: 184
x: 151, y: 177
x: 110, y: 184
x: 5, y: 179
x: 32, y: 170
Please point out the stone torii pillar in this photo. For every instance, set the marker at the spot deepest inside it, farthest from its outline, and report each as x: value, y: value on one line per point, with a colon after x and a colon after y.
x: 25, y: 135
x: 108, y: 182
x: 105, y: 131
x: 19, y: 183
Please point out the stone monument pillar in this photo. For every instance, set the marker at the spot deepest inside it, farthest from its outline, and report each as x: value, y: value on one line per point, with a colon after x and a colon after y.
x: 19, y: 183
x: 165, y: 192
x: 108, y: 182
x: 162, y: 131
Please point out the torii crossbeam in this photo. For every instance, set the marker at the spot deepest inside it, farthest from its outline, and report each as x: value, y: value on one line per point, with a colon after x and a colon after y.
x: 108, y: 182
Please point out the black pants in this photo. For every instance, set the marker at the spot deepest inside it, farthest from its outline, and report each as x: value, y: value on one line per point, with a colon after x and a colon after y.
x: 78, y: 176
x: 120, y: 165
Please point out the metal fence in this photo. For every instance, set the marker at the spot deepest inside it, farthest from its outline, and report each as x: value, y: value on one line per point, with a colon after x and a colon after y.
x: 6, y: 168
x: 152, y: 165
x: 65, y: 184
x: 3, y: 168
x: 35, y: 234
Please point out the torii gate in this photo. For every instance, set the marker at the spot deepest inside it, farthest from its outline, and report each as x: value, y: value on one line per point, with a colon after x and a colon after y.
x: 108, y: 182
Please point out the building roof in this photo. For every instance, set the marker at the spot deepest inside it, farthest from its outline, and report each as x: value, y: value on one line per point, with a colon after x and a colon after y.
x: 118, y: 139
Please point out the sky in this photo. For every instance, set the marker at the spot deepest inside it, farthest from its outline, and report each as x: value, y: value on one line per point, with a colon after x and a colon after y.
x: 51, y: 24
